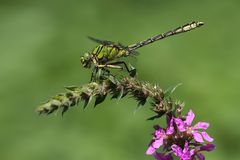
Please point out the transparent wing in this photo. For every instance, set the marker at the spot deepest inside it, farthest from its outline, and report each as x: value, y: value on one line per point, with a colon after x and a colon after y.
x: 103, y: 42
x: 106, y: 42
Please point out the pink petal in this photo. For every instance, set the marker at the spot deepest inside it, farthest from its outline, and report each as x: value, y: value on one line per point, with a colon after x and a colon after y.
x: 198, y: 137
x: 160, y: 156
x: 185, y: 150
x: 207, y: 147
x: 180, y: 124
x: 170, y: 128
x: 192, y: 151
x: 207, y: 137
x: 157, y: 143
x: 201, y: 125
x: 189, y: 118
x: 177, y: 150
x: 159, y: 133
x: 150, y: 150
x: 200, y: 156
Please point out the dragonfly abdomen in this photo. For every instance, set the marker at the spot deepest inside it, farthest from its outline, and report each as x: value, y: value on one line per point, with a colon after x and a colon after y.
x: 182, y: 29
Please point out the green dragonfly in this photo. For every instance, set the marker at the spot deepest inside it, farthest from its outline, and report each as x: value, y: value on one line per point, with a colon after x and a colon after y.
x: 107, y: 54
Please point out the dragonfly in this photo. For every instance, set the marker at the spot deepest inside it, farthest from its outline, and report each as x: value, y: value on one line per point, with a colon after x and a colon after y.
x: 107, y: 54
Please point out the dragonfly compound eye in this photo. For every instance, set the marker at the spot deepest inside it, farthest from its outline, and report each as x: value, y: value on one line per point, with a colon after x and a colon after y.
x: 86, y: 55
x: 82, y: 60
x: 86, y: 60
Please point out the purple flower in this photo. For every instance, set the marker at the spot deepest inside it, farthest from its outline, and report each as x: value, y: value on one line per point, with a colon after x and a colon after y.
x: 194, y: 130
x: 206, y: 147
x: 160, y: 156
x: 183, y: 154
x: 187, y: 154
x: 158, y: 137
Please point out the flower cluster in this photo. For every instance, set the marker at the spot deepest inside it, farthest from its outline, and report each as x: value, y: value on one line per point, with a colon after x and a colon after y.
x: 181, y: 139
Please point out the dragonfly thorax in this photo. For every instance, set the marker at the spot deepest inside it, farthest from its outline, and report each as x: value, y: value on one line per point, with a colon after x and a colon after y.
x: 106, y: 53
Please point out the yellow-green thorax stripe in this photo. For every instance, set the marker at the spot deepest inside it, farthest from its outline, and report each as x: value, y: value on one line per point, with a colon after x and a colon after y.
x: 109, y: 52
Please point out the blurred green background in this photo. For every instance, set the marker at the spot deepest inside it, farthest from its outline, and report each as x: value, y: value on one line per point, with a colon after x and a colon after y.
x: 40, y: 47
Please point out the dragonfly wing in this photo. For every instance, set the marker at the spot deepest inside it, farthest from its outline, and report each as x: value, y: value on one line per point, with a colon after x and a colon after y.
x: 120, y: 45
x: 106, y: 42
x: 135, y: 53
x: 103, y: 42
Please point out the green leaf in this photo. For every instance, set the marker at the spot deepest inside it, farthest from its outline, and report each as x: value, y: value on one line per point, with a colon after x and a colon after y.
x: 71, y: 88
x: 142, y: 102
x: 120, y: 94
x: 99, y: 73
x: 112, y: 79
x: 100, y: 99
x: 159, y: 115
x: 138, y: 108
x: 170, y: 90
x: 65, y: 108
x: 86, y: 99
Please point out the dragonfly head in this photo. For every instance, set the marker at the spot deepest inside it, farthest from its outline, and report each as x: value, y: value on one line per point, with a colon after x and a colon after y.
x: 86, y: 60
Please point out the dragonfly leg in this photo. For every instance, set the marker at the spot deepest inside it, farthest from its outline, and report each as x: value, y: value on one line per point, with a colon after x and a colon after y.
x: 115, y: 65
x: 109, y: 66
x: 132, y: 72
x: 105, y: 72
